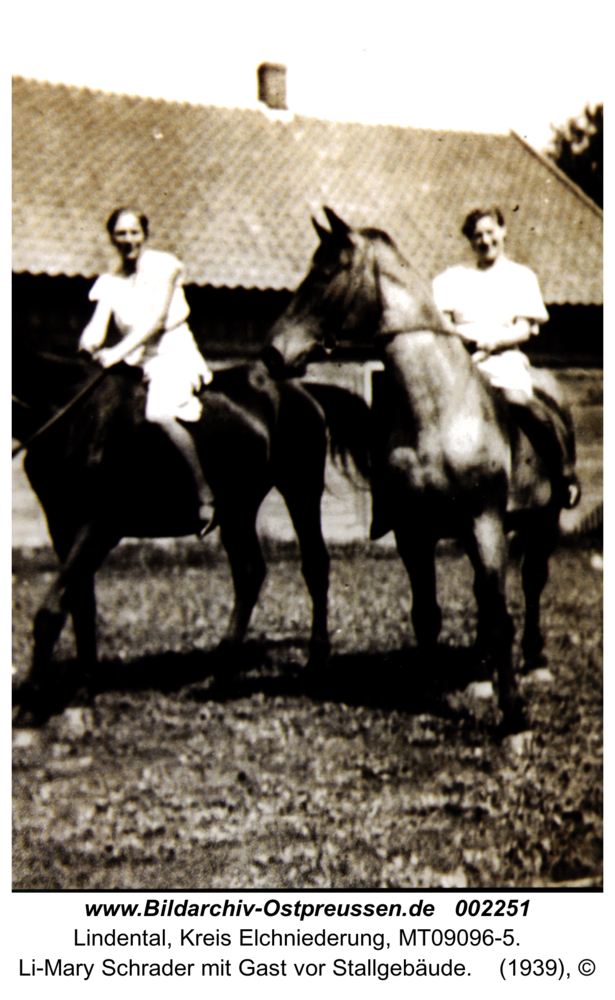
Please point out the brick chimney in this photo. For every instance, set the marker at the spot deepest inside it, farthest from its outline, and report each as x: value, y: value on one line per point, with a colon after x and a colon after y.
x: 272, y: 85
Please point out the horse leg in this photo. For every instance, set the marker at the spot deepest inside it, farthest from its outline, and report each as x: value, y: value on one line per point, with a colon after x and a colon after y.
x: 81, y: 601
x: 539, y: 545
x: 248, y: 571
x: 50, y: 618
x: 488, y: 553
x: 303, y: 502
x: 72, y: 591
x: 419, y: 557
x: 483, y: 622
x: 299, y: 474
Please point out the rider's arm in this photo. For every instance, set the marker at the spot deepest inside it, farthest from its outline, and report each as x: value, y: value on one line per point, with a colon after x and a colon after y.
x: 511, y: 336
x: 156, y: 291
x: 491, y: 338
x: 481, y: 336
x: 96, y: 330
x: 530, y: 312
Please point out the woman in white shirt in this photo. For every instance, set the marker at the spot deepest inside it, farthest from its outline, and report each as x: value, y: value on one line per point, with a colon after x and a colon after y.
x: 146, y: 300
x: 495, y: 307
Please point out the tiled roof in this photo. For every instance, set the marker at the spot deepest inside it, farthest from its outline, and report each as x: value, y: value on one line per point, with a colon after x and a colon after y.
x: 231, y: 191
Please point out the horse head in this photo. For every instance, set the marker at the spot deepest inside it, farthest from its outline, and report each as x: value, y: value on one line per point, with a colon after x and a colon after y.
x: 44, y: 381
x: 337, y: 297
x: 358, y: 286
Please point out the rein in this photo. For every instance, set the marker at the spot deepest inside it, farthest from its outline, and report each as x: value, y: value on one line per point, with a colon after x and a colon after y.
x: 65, y: 409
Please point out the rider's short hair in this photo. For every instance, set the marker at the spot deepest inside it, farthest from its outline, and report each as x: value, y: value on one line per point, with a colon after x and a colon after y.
x: 474, y: 217
x: 111, y: 221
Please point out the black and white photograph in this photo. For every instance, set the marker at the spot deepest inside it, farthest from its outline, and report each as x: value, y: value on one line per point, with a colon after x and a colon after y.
x: 307, y: 437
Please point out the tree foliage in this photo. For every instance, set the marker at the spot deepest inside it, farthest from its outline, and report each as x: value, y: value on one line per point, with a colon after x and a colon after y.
x: 578, y: 149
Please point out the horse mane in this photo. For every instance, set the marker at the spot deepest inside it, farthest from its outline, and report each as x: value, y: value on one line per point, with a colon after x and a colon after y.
x: 395, y: 270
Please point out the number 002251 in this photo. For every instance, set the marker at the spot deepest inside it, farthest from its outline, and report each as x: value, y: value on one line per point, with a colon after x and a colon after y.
x: 492, y: 908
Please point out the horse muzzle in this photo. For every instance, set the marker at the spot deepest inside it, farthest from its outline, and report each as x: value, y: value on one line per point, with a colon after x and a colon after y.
x: 277, y: 365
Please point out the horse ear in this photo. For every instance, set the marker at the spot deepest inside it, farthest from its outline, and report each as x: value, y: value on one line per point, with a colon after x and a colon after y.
x: 321, y: 232
x: 338, y: 226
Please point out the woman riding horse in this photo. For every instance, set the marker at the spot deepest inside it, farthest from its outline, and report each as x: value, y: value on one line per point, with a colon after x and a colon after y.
x: 495, y: 307
x: 146, y: 300
x: 450, y: 462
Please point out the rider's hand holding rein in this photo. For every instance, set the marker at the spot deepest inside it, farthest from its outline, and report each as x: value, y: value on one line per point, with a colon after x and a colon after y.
x: 106, y: 357
x: 156, y: 298
x: 490, y: 339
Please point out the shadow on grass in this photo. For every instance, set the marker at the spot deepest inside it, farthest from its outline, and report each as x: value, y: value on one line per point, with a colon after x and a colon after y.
x: 403, y: 679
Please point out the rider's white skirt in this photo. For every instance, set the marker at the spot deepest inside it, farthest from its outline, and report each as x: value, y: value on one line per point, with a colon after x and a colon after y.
x: 508, y: 370
x: 173, y: 375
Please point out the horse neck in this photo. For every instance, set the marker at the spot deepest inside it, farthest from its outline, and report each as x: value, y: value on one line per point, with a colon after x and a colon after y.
x: 433, y: 371
x: 47, y: 381
x: 428, y: 363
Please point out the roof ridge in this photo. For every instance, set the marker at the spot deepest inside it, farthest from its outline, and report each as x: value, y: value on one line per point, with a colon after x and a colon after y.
x: 564, y: 178
x: 97, y: 91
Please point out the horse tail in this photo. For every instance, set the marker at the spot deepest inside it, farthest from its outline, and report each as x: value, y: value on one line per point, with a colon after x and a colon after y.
x: 348, y: 420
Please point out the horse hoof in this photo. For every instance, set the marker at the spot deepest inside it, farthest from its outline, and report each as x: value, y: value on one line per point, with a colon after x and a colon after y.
x: 520, y: 744
x: 479, y: 691
x: 530, y: 663
x: 538, y: 675
x: 514, y: 718
x: 32, y: 708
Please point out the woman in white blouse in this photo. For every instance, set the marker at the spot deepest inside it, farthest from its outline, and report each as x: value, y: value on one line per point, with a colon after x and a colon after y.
x: 147, y: 302
x: 495, y: 307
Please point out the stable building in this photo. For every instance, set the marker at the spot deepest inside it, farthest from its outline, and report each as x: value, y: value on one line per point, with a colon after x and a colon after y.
x: 231, y: 191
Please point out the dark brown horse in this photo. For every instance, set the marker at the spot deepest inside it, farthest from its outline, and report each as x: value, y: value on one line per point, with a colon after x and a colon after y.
x: 452, y: 463
x: 103, y: 473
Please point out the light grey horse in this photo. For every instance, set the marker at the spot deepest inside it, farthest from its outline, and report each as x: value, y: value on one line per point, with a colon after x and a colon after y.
x: 451, y: 464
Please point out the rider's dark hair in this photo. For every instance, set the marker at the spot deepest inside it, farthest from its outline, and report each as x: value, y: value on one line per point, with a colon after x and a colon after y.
x: 111, y: 221
x: 474, y: 217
